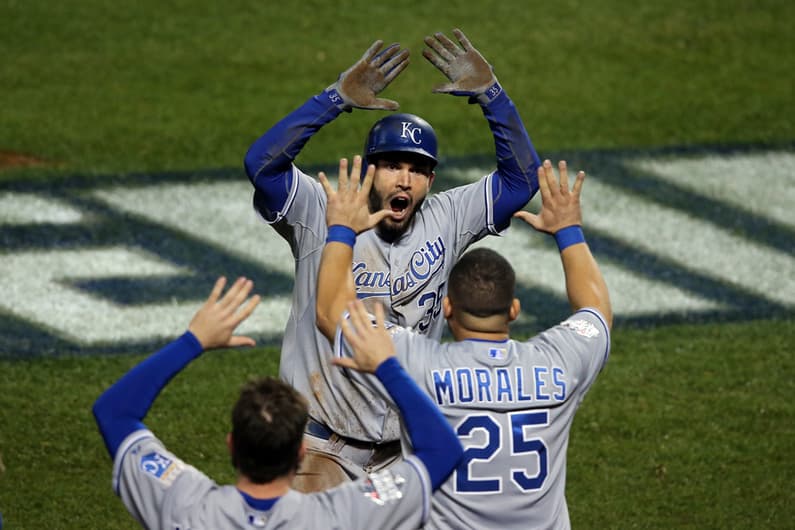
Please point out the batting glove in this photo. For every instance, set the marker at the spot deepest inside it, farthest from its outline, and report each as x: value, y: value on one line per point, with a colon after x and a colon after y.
x: 470, y: 74
x: 358, y: 86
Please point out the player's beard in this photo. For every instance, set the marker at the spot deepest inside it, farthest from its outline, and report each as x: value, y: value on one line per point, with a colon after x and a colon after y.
x: 388, y: 229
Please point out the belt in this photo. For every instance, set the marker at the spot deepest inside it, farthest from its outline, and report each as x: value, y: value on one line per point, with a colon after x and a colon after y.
x: 318, y: 430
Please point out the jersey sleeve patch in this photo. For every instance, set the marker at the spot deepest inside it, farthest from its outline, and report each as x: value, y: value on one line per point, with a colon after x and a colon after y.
x: 582, y: 327
x: 161, y: 467
x: 383, y: 487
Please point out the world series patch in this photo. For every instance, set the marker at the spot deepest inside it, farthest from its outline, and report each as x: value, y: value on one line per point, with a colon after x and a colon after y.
x: 582, y: 327
x: 383, y: 486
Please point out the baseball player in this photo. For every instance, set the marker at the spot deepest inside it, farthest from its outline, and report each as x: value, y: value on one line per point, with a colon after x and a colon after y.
x: 405, y: 261
x: 511, y: 403
x: 265, y: 443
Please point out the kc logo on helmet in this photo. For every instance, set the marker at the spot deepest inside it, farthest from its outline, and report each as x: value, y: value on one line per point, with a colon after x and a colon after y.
x: 411, y: 132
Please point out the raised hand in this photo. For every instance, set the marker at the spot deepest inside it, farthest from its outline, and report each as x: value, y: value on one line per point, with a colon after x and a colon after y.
x: 215, y: 322
x: 469, y: 73
x: 560, y: 207
x: 371, y: 345
x: 348, y: 205
x: 359, y: 85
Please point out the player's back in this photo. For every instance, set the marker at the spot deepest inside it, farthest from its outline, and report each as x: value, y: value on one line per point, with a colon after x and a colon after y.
x: 512, y: 404
x: 409, y: 275
x: 356, y: 505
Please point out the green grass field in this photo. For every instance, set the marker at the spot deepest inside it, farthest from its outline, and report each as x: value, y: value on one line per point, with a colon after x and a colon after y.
x: 689, y: 426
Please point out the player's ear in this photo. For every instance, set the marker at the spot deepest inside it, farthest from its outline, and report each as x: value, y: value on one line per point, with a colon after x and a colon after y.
x: 430, y: 179
x: 447, y: 307
x: 302, y: 451
x: 513, y: 312
x: 229, y: 445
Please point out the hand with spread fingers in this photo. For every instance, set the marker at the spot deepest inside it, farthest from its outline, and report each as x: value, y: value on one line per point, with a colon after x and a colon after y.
x: 359, y: 85
x: 469, y: 73
x: 215, y: 322
x: 560, y: 206
x: 371, y: 344
x: 348, y: 205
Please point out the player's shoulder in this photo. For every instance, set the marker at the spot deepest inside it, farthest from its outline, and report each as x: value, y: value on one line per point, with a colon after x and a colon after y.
x: 452, y: 193
x: 307, y: 182
x: 586, y: 326
x: 293, y: 507
x: 588, y: 323
x: 412, y: 337
x: 584, y: 334
x: 404, y: 487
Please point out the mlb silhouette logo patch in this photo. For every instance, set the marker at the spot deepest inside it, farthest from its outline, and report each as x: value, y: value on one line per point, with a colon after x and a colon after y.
x: 498, y: 353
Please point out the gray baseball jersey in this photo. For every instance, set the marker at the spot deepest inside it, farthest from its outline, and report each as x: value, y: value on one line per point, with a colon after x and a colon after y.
x: 161, y: 491
x: 512, y: 405
x: 409, y: 275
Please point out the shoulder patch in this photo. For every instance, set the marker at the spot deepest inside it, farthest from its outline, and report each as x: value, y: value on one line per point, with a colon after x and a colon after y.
x: 383, y: 486
x: 581, y: 327
x: 161, y: 467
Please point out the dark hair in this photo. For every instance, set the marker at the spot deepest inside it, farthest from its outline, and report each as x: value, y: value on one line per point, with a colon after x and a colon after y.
x: 268, y: 424
x: 421, y: 162
x: 482, y: 283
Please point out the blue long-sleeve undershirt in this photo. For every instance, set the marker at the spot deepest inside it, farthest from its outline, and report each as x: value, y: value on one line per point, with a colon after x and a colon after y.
x: 268, y: 161
x: 120, y: 410
x: 433, y: 439
x: 516, y: 180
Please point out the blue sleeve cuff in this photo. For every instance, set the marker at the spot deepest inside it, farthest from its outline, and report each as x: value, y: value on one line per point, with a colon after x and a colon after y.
x: 192, y: 343
x: 120, y: 410
x: 388, y: 369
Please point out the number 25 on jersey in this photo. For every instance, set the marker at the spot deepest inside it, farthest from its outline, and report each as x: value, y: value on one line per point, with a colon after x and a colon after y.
x: 525, y: 456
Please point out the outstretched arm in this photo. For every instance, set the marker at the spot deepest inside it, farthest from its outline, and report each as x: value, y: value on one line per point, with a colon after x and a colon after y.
x: 514, y: 183
x: 120, y: 410
x: 433, y: 439
x: 268, y: 161
x: 347, y: 214
x: 561, y: 216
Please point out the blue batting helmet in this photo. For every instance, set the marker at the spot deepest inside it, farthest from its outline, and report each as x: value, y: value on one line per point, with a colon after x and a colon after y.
x: 401, y: 133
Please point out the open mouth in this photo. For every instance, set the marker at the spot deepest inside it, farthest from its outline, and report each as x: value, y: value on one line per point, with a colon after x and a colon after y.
x: 399, y: 206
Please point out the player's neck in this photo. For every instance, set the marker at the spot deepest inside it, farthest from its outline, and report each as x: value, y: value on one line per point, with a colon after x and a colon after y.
x: 481, y: 335
x: 464, y: 326
x: 270, y: 490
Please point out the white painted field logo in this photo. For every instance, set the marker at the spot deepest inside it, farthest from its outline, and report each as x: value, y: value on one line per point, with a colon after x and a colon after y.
x: 95, y: 265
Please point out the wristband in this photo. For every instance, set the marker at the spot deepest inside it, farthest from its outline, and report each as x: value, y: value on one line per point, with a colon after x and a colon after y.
x: 341, y: 234
x: 571, y: 235
x: 336, y: 98
x: 489, y: 95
